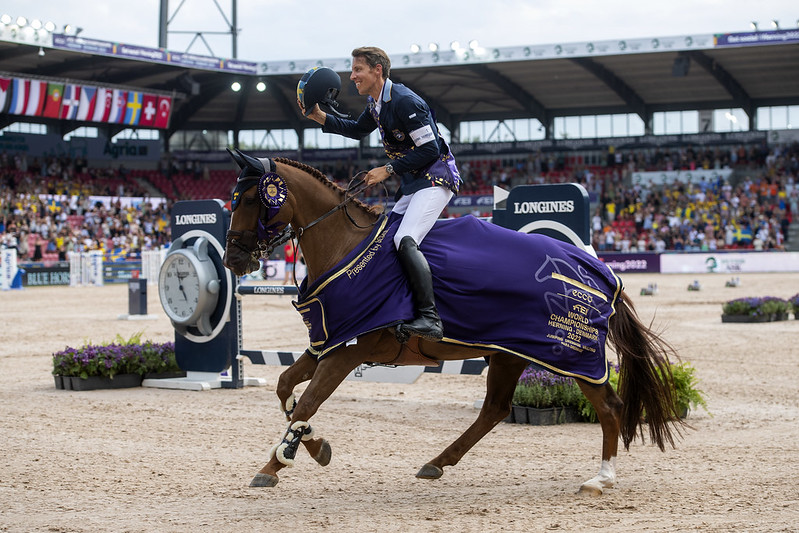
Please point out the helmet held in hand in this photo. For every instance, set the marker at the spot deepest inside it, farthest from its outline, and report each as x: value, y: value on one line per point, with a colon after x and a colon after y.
x: 320, y: 85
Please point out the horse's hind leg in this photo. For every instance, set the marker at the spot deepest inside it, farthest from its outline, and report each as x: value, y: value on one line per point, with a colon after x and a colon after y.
x: 608, y: 409
x: 503, y: 373
x: 302, y: 370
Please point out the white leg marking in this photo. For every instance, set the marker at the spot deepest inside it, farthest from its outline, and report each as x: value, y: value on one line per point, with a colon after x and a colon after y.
x: 606, y: 477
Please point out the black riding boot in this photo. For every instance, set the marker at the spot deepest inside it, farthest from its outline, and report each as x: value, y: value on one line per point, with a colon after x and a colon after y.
x: 427, y: 323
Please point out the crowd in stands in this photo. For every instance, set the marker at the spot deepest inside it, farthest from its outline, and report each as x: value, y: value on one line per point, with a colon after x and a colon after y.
x: 753, y: 213
x: 46, y: 210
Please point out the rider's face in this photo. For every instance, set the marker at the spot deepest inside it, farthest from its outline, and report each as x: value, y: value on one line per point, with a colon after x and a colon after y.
x: 368, y: 80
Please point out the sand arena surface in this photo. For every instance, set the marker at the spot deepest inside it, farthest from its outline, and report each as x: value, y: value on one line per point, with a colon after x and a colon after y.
x: 167, y: 460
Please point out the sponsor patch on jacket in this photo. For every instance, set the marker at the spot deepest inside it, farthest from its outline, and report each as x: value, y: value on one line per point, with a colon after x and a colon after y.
x: 423, y: 135
x: 398, y: 135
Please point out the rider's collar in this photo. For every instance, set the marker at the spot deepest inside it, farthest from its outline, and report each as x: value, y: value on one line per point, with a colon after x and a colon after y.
x: 385, y: 94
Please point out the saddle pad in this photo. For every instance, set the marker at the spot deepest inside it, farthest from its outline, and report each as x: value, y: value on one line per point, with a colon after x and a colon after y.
x: 530, y: 295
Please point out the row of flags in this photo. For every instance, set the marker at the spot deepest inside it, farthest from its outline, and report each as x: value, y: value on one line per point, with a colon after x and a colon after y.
x: 67, y: 101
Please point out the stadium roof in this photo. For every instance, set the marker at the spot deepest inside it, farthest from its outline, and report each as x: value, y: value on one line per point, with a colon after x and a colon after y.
x: 690, y: 73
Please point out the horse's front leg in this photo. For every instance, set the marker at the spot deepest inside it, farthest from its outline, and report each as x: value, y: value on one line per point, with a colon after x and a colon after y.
x: 608, y: 409
x: 329, y: 374
x: 503, y: 373
x: 302, y: 370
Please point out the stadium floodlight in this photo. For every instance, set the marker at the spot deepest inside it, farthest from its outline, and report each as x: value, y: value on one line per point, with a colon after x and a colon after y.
x: 260, y: 86
x: 69, y: 29
x: 474, y: 45
x: 5, y: 19
x: 775, y: 24
x: 415, y: 48
x: 454, y: 46
x: 49, y: 26
x: 235, y: 86
x: 754, y: 25
x: 22, y: 21
x: 36, y: 24
x: 433, y: 47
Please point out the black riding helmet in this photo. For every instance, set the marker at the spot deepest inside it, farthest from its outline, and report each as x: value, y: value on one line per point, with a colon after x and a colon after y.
x: 320, y: 85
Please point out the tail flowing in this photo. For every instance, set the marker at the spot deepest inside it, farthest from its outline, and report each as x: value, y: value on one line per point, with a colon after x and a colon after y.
x: 646, y: 385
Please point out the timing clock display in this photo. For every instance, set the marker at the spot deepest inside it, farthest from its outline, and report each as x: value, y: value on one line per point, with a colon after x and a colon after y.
x: 188, y: 286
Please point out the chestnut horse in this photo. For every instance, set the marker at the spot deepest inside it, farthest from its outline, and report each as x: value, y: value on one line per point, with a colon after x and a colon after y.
x: 297, y: 199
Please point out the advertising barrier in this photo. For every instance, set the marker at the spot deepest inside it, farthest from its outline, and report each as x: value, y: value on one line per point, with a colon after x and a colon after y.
x: 729, y: 262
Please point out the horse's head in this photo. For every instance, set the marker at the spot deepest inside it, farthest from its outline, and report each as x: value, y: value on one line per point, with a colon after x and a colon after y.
x: 254, y: 224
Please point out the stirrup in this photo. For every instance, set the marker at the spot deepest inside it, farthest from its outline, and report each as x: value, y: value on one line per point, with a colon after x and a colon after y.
x: 407, y: 332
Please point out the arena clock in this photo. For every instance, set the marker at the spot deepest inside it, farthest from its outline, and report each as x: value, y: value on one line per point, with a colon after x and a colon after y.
x: 188, y: 286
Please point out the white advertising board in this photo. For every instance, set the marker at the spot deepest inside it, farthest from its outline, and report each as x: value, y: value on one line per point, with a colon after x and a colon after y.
x: 729, y: 262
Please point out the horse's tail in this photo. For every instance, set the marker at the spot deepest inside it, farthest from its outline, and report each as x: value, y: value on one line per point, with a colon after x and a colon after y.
x: 646, y: 385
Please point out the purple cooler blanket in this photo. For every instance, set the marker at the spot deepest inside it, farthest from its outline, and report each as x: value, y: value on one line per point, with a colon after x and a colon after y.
x: 529, y: 295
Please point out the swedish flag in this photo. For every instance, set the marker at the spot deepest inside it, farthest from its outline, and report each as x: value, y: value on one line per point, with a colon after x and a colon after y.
x: 743, y: 235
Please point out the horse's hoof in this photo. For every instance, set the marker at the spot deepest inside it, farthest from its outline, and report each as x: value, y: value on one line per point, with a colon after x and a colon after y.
x: 323, y: 455
x: 429, y: 471
x: 263, y: 480
x: 590, y: 489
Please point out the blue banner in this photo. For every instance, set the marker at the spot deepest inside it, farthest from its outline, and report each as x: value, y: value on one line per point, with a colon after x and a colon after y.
x: 154, y: 55
x: 756, y: 38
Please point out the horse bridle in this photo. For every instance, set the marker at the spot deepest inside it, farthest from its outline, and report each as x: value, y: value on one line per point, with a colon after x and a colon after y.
x: 262, y: 243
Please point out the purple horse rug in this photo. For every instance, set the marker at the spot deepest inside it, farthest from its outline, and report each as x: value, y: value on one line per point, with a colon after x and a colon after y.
x: 529, y: 295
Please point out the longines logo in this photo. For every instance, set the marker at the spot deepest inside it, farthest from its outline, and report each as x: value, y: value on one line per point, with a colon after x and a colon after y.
x: 560, y: 206
x: 190, y: 220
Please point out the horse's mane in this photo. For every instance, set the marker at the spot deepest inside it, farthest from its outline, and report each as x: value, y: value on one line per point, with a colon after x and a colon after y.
x: 316, y: 173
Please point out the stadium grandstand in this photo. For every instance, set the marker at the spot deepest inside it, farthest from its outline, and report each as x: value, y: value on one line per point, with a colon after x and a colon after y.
x: 684, y: 143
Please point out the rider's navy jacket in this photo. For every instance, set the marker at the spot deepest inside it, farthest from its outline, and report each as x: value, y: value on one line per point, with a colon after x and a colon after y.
x: 410, y: 138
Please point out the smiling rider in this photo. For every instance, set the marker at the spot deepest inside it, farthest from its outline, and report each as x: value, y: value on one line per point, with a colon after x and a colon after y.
x: 419, y: 156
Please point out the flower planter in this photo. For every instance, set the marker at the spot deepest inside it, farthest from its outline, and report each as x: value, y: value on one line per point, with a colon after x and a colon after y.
x: 745, y: 318
x: 569, y: 415
x: 542, y: 417
x: 165, y: 375
x: 548, y: 416
x: 120, y: 381
x: 519, y: 414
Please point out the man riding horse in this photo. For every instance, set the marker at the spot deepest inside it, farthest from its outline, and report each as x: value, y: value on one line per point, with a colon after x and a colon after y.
x: 419, y: 156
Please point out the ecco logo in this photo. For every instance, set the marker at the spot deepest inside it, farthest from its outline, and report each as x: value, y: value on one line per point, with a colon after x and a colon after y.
x: 582, y: 296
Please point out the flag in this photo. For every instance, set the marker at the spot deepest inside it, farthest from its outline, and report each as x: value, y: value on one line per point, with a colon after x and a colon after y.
x: 133, y: 109
x: 164, y: 110
x: 19, y: 95
x: 5, y: 86
x: 52, y: 106
x: 118, y: 106
x: 69, y: 104
x: 148, y: 110
x: 37, y: 94
x: 88, y: 99
x: 103, y: 106
x: 743, y: 234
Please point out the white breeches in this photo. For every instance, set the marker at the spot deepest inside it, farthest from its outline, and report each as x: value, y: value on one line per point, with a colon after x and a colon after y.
x: 421, y: 210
